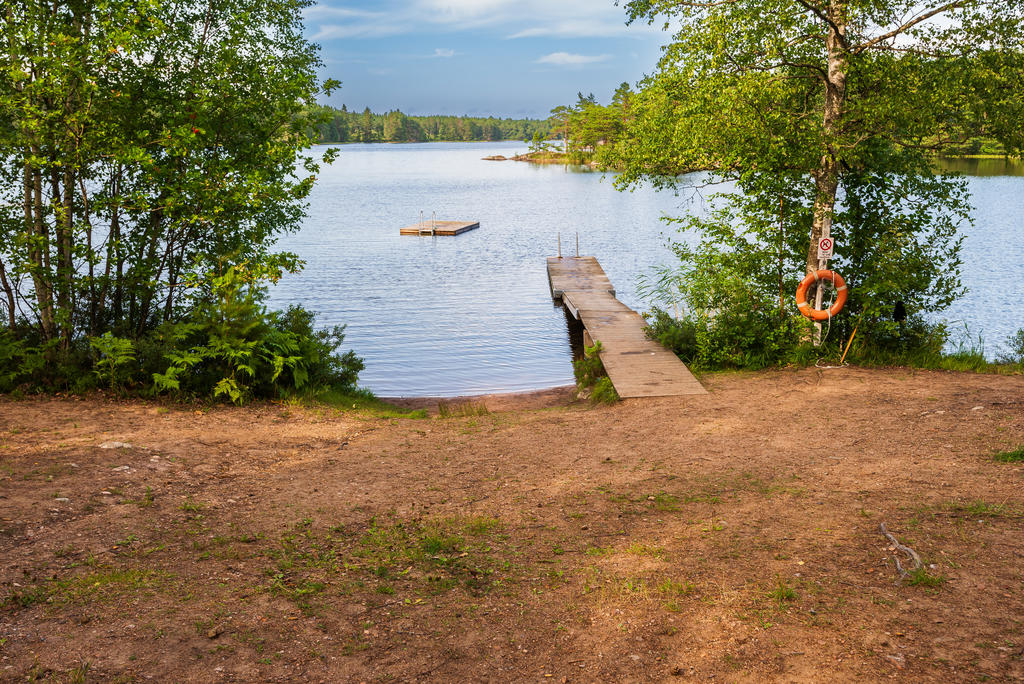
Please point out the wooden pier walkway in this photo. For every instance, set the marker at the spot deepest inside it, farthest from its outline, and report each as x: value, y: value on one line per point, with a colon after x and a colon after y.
x: 636, y: 365
x: 439, y: 228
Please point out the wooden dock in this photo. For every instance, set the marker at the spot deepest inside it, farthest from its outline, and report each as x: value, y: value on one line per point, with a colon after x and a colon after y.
x: 636, y: 365
x: 439, y: 228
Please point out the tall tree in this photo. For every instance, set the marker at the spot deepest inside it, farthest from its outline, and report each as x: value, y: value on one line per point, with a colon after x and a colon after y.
x: 832, y: 106
x: 144, y: 144
x: 819, y: 84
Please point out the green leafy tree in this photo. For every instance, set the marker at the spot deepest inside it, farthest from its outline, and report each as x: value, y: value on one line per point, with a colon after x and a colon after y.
x: 823, y: 86
x: 824, y: 113
x: 143, y: 146
x: 147, y: 141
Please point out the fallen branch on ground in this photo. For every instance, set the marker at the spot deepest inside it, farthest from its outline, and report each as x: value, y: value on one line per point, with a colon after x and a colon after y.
x: 911, y: 554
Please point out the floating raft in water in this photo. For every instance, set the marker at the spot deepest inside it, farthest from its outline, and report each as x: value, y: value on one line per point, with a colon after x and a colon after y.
x: 439, y: 228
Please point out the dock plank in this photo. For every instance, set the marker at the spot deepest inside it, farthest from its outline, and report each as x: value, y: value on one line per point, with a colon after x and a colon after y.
x: 636, y: 365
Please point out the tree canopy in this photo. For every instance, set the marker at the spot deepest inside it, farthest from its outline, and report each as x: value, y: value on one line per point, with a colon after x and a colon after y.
x: 150, y: 157
x: 822, y: 86
x: 144, y: 143
x: 825, y: 114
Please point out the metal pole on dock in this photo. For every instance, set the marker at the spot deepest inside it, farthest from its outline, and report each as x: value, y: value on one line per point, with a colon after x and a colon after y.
x: 577, y: 244
x: 559, y: 245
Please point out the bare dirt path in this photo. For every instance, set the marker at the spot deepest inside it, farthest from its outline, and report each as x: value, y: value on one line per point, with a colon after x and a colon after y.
x: 733, y: 536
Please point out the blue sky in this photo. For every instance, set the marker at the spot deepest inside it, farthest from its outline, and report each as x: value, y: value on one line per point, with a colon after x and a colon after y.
x: 479, y: 57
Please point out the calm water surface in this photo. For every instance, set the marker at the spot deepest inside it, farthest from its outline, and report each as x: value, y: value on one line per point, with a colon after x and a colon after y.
x: 472, y: 314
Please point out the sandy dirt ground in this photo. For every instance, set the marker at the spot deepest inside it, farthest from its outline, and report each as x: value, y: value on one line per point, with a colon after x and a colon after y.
x: 730, y: 537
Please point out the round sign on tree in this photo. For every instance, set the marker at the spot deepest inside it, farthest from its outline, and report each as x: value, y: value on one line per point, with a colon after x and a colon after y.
x: 825, y: 246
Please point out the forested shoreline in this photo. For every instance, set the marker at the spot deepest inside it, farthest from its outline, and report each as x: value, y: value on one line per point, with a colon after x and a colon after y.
x: 343, y: 126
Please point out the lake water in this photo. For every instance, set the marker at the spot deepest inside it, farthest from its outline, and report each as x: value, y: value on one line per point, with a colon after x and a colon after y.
x: 446, y: 316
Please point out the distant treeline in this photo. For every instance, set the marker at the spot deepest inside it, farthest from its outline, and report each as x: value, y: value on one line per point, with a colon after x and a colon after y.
x: 341, y: 126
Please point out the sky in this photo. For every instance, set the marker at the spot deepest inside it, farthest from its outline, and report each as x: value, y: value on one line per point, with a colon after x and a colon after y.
x: 509, y: 58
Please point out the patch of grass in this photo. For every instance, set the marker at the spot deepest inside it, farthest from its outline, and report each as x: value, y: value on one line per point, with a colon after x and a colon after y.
x: 633, y: 585
x: 364, y: 402
x: 147, y: 498
x: 600, y: 551
x: 106, y: 585
x: 922, y: 578
x: 300, y: 592
x: 982, y: 509
x: 968, y: 356
x: 666, y: 502
x: 639, y: 549
x: 782, y: 592
x: 438, y: 543
x: 49, y: 473
x: 25, y: 597
x: 461, y: 409
x: 1015, y: 456
x: 432, y: 556
x: 481, y: 524
x: 191, y: 506
x: 77, y: 675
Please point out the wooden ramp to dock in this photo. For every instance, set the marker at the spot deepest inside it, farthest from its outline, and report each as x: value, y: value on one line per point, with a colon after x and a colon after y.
x: 636, y: 365
x: 439, y: 228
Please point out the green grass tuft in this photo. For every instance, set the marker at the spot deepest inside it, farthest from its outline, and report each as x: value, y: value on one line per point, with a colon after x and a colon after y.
x: 922, y: 578
x: 782, y: 592
x: 364, y: 401
x: 1015, y: 456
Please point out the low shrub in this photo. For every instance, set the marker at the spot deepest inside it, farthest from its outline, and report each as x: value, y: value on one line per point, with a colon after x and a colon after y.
x: 591, y: 377
x: 735, y: 338
x: 233, y: 348
x: 228, y: 346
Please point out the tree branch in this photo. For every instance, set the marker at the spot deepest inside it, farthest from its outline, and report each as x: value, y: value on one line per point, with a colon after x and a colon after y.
x: 818, y: 12
x: 901, y: 29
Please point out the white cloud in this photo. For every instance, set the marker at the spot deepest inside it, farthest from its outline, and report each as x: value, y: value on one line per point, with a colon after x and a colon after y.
x: 463, y: 10
x: 517, y: 18
x: 581, y: 28
x: 317, y: 11
x: 570, y: 59
x: 443, y: 52
x: 366, y: 29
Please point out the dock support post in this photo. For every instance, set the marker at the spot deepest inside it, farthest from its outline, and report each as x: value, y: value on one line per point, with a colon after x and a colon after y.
x: 559, y: 245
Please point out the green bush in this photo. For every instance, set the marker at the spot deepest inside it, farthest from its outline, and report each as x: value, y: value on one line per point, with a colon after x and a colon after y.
x: 591, y: 376
x: 737, y: 338
x: 738, y: 268
x: 233, y: 348
x: 20, y: 362
x: 1015, y: 349
x: 229, y: 346
x: 604, y: 392
x: 325, y: 369
x: 588, y: 369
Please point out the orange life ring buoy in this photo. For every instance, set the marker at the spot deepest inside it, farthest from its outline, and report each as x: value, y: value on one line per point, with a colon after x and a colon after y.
x: 817, y: 277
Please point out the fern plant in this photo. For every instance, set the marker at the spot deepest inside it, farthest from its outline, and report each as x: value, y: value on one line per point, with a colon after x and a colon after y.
x: 114, y: 354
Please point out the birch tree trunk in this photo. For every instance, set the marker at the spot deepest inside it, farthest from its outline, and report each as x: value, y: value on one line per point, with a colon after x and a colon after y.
x: 826, y: 177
